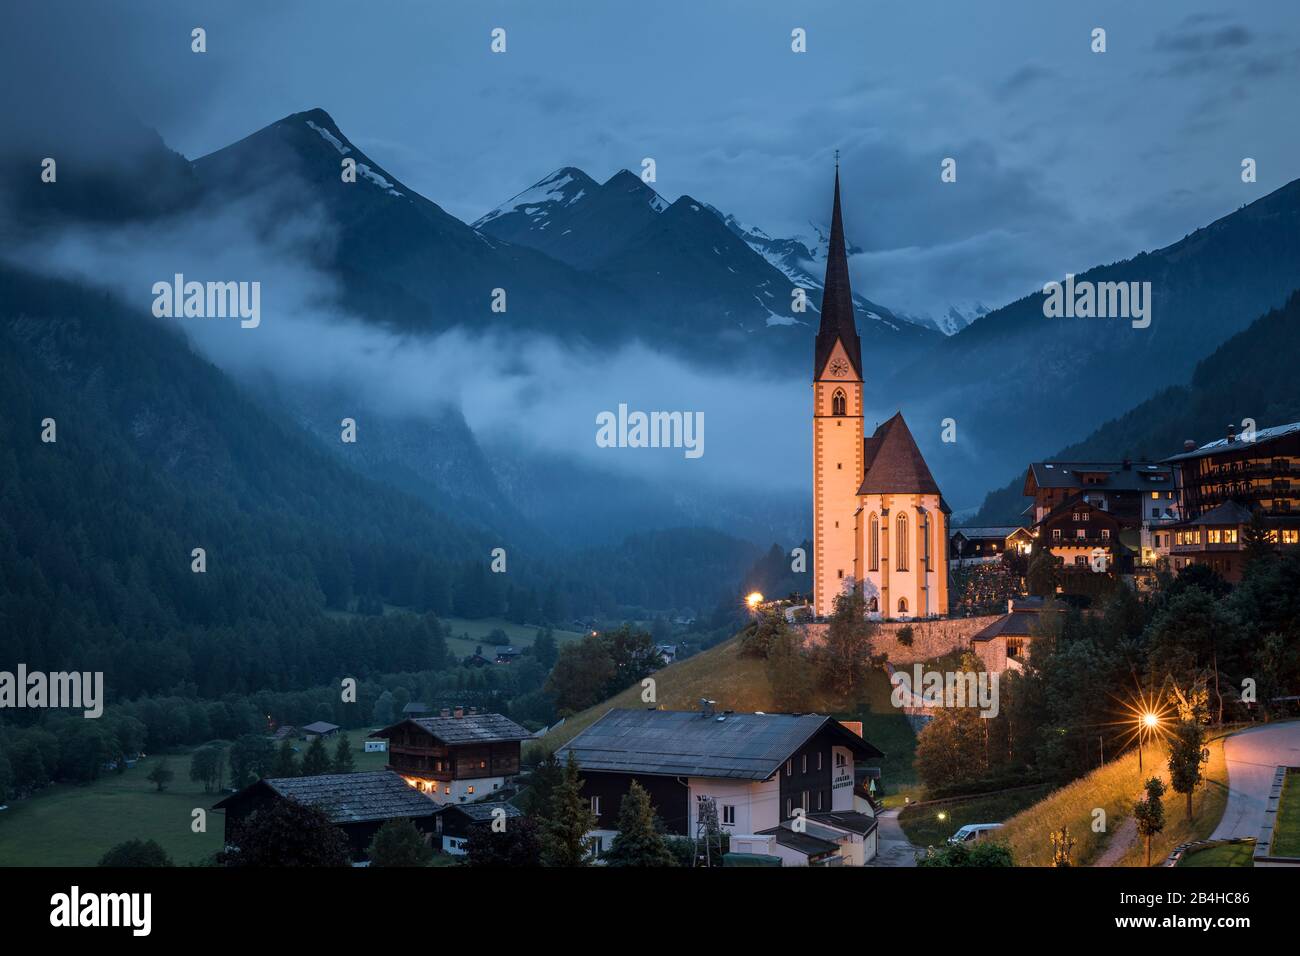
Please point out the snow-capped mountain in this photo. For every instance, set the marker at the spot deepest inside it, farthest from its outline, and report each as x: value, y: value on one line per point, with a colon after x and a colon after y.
x: 686, y: 263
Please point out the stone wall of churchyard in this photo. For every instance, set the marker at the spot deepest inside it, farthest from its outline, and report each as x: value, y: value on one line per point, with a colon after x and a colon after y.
x: 930, y: 639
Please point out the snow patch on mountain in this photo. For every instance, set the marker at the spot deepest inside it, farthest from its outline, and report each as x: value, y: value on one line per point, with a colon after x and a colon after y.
x: 539, y: 200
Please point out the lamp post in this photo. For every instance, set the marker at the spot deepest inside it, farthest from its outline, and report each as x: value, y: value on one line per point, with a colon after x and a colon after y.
x: 1146, y: 722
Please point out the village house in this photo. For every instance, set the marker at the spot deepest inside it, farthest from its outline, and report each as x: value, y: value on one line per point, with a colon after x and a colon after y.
x: 1004, y: 644
x: 455, y: 822
x: 980, y: 543
x: 320, y: 728
x: 357, y: 803
x: 750, y: 775
x: 1079, y: 531
x: 457, y: 757
x: 1221, y: 484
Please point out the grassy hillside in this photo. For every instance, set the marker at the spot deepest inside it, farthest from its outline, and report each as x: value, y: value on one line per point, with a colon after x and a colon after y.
x: 741, y: 684
x: 1113, y: 788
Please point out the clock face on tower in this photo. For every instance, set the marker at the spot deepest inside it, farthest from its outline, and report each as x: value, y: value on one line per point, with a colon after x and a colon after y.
x: 839, y: 368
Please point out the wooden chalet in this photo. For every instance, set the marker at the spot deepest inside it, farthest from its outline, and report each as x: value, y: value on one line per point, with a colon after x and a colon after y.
x: 457, y: 757
x: 455, y: 822
x: 357, y: 803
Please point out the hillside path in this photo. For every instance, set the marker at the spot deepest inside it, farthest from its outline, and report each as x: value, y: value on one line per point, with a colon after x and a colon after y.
x: 1119, y: 844
x: 1252, y: 756
x: 895, y: 850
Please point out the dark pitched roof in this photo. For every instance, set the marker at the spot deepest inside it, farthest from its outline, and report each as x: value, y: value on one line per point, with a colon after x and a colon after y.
x: 837, y: 299
x: 416, y: 707
x: 1018, y: 623
x: 482, y: 812
x: 348, y: 797
x: 897, y: 464
x: 690, y: 744
x: 1138, y: 476
x: 803, y: 843
x: 1230, y: 512
x: 1262, y: 435
x: 849, y: 821
x: 987, y: 534
x: 471, y: 728
x: 320, y: 727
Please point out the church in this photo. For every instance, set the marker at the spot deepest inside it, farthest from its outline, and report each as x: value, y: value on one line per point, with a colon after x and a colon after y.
x: 880, y: 523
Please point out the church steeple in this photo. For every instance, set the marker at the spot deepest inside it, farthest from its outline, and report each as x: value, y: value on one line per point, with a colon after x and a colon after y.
x: 837, y: 298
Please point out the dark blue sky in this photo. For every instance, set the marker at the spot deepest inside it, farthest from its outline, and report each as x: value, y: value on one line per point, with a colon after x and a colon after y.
x: 1066, y: 158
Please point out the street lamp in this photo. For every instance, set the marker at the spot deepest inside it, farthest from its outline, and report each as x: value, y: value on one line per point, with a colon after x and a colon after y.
x: 753, y: 599
x: 1148, y: 722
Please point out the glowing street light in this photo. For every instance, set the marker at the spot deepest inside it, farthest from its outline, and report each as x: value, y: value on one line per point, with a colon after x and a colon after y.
x: 753, y: 599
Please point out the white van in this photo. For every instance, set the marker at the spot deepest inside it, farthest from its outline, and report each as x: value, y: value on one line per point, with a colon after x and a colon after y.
x: 973, y: 832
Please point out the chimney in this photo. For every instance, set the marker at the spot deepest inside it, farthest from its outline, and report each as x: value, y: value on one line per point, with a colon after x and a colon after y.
x: 459, y: 712
x: 473, y: 711
x: 1189, y: 445
x: 706, y: 707
x: 1232, y: 433
x: 445, y: 712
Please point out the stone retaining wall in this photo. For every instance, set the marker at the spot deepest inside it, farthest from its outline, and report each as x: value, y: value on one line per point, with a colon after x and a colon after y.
x: 930, y: 639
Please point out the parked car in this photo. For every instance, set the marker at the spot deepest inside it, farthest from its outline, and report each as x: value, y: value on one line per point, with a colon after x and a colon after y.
x: 974, y: 832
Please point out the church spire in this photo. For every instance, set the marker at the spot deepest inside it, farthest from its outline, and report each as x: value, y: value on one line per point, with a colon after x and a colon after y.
x: 837, y: 298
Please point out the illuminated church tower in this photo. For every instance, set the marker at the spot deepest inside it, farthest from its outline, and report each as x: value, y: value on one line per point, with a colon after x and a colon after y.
x: 880, y: 523
x: 837, y: 426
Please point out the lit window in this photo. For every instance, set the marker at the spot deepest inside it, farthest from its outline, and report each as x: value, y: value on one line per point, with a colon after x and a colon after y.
x: 469, y: 789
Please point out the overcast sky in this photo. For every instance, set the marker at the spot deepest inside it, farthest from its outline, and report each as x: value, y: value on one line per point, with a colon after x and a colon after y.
x: 1066, y: 158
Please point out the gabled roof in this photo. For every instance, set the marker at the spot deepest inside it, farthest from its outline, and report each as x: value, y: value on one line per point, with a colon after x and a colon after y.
x: 1137, y: 476
x: 850, y: 821
x: 896, y: 465
x: 1262, y: 435
x: 988, y: 534
x: 684, y: 743
x: 482, y: 812
x: 346, y: 797
x: 1230, y: 512
x: 471, y: 728
x: 804, y: 843
x: 1016, y: 624
x: 837, y: 323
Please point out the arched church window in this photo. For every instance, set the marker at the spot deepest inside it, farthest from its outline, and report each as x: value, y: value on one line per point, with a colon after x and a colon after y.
x: 902, y: 605
x: 925, y: 541
x: 873, y: 543
x: 839, y: 403
x: 902, y: 542
x: 873, y: 605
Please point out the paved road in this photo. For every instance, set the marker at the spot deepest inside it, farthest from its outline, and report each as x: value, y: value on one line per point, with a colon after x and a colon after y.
x: 894, y: 848
x: 1252, y: 757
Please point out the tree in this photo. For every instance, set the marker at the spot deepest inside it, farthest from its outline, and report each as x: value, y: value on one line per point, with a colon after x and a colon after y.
x: 950, y: 749
x: 1187, y: 754
x: 207, y: 766
x: 1043, y: 572
x: 845, y: 651
x: 537, y: 801
x: 519, y: 844
x: 905, y: 635
x: 767, y: 630
x: 564, y: 832
x: 581, y: 676
x: 1062, y: 846
x: 287, y: 833
x: 545, y: 649
x: 161, y: 775
x: 136, y: 853
x: 1149, y: 813
x: 343, y: 762
x: 316, y: 761
x: 251, y: 757
x: 639, y: 841
x: 399, y: 843
x: 1256, y: 539
x: 286, y: 764
x: 384, y: 709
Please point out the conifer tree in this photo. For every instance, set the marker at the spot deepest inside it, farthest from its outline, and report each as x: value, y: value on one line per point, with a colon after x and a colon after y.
x: 343, y: 762
x: 564, y: 841
x: 286, y: 765
x: 1187, y: 754
x: 1150, y: 812
x: 317, y: 761
x: 639, y: 842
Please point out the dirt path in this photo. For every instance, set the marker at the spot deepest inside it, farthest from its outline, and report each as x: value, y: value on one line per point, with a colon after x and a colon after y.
x: 1119, y: 844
